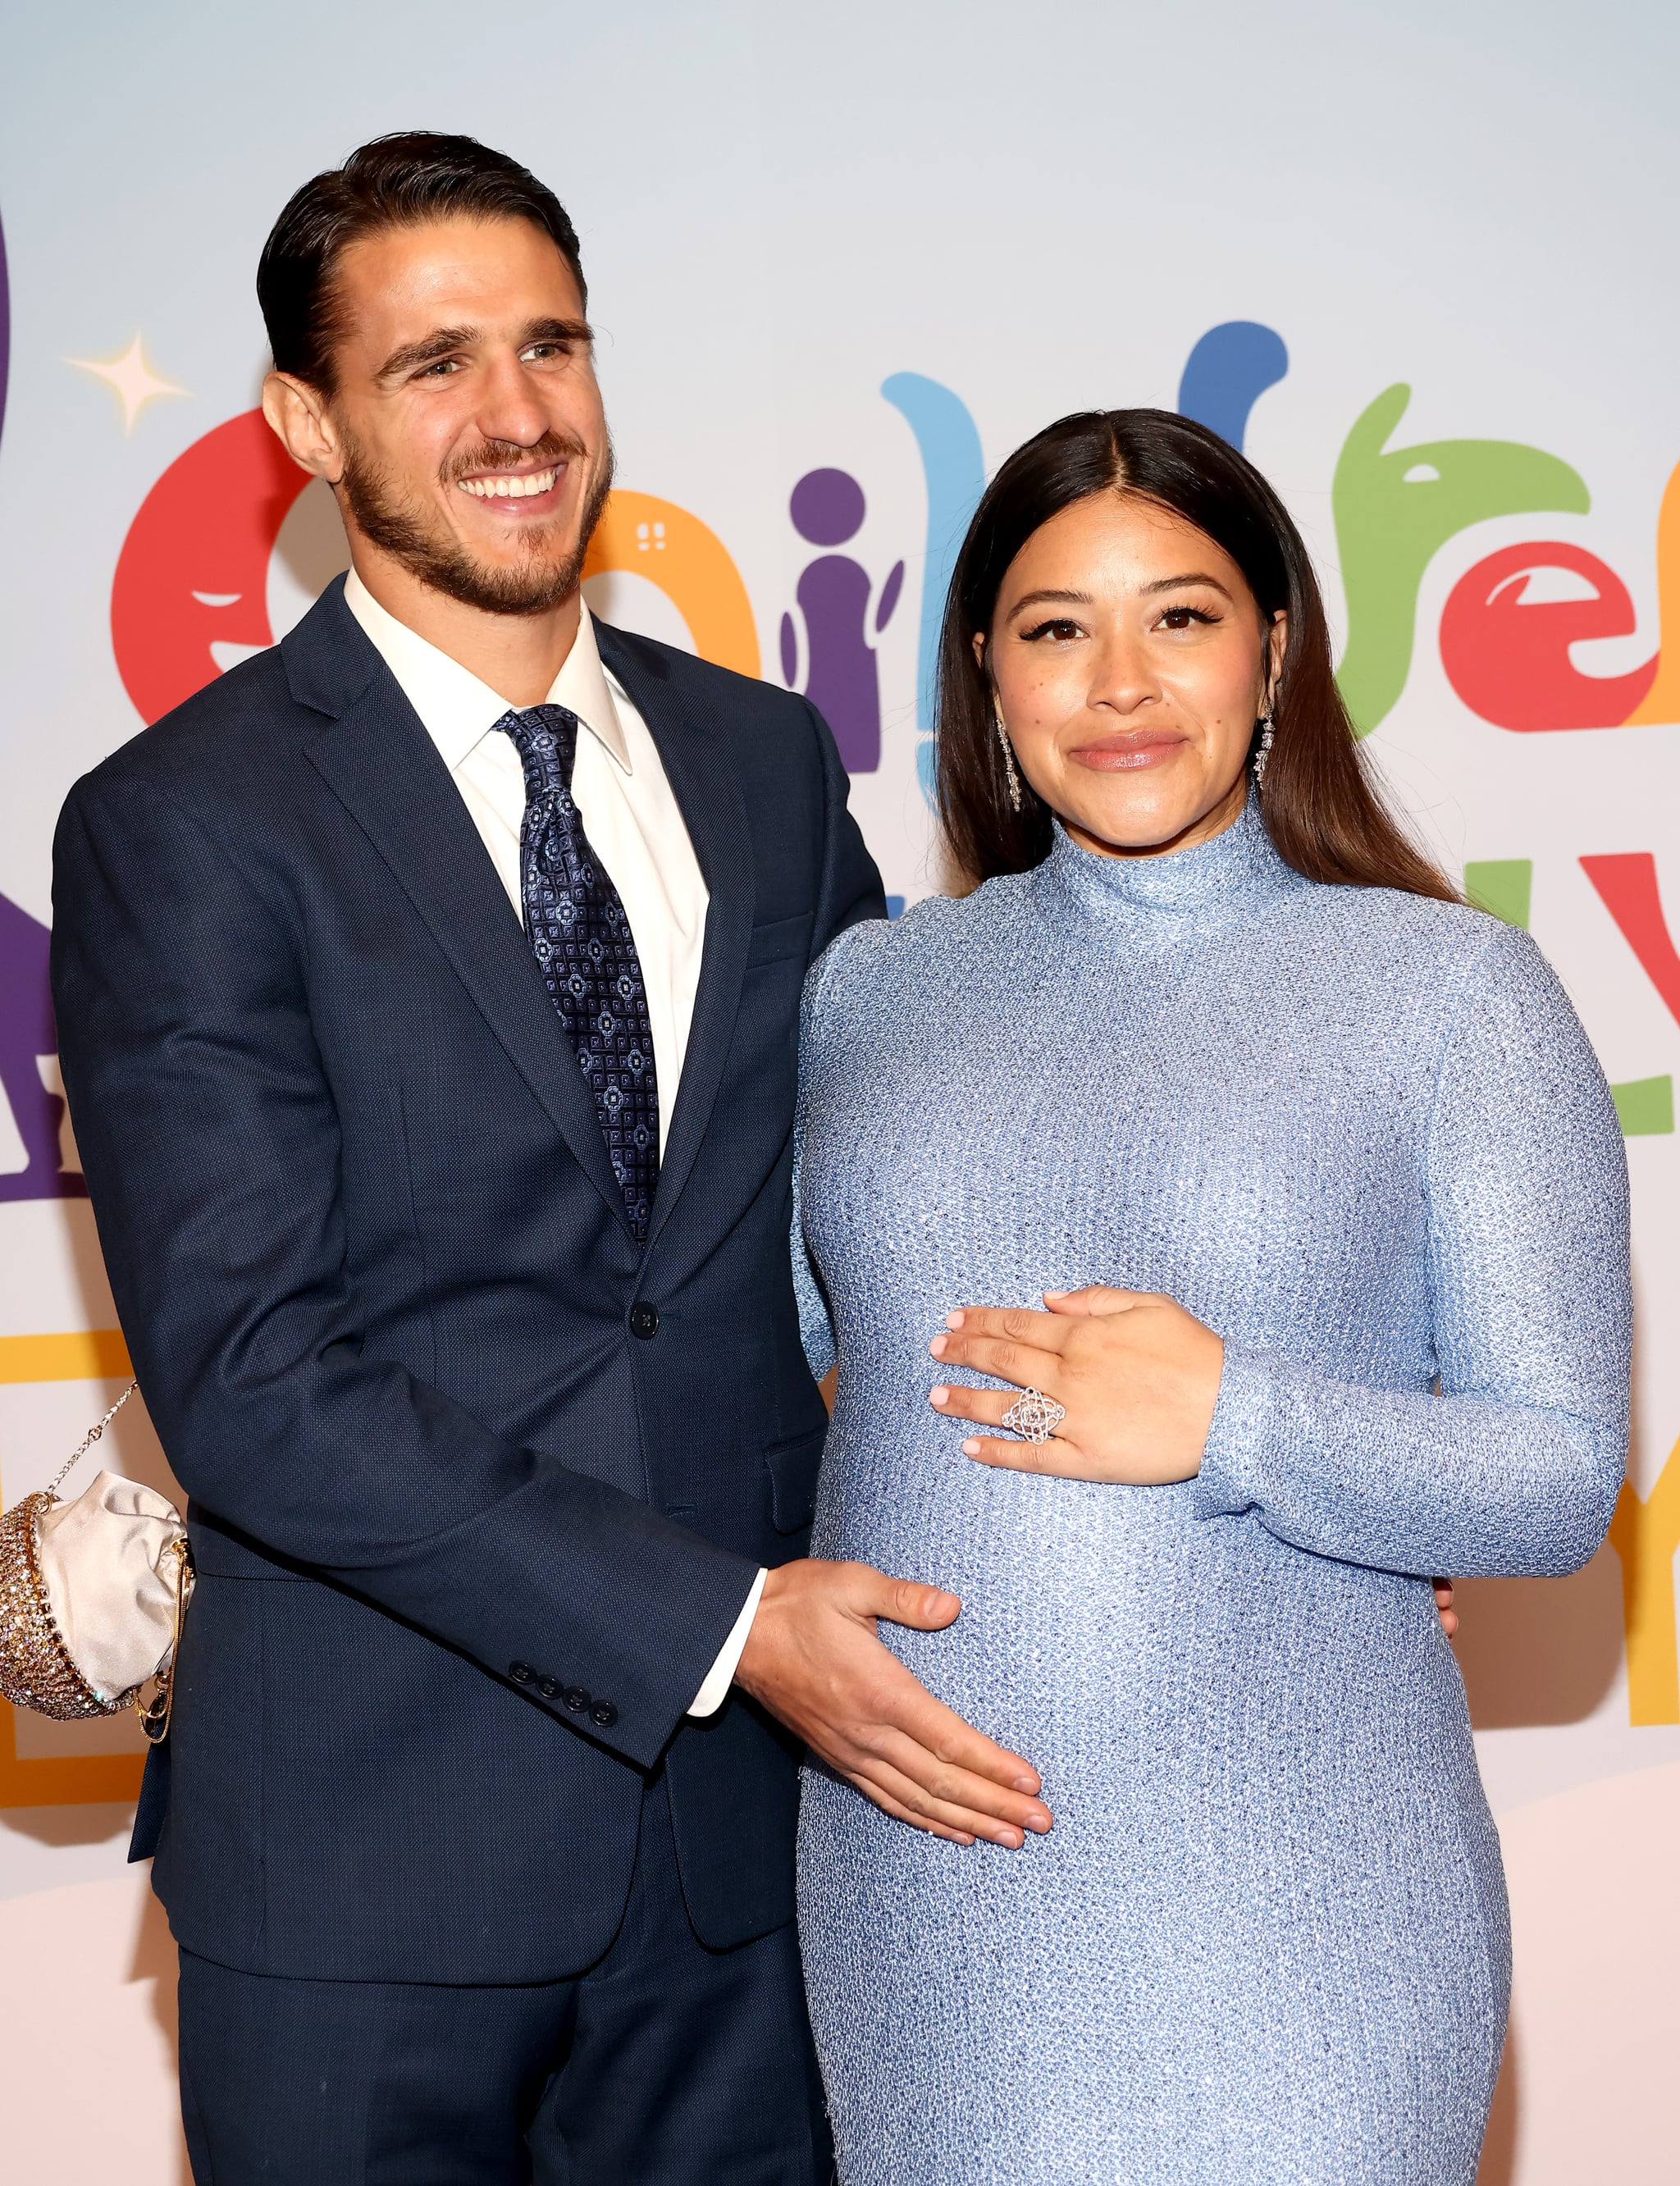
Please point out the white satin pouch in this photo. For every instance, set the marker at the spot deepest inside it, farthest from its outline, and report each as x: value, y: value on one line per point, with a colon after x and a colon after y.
x: 107, y: 1566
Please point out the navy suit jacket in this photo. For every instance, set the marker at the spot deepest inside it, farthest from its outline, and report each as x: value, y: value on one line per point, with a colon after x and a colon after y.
x: 479, y: 1485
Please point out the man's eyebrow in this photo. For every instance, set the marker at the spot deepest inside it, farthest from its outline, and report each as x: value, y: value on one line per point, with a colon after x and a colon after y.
x: 441, y: 342
x: 444, y: 341
x: 574, y: 331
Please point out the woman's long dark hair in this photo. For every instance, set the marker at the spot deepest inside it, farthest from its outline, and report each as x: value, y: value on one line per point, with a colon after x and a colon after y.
x: 1320, y: 808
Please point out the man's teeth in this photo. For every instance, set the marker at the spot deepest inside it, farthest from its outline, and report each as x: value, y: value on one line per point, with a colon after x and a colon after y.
x: 504, y: 486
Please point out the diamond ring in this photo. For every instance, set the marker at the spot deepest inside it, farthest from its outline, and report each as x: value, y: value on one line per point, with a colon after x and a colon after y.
x: 1034, y: 1416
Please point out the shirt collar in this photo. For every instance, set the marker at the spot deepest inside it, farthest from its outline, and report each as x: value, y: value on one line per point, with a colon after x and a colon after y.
x: 457, y: 710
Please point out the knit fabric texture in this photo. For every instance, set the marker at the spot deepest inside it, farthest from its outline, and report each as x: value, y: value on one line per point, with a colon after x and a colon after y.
x: 1363, y: 1136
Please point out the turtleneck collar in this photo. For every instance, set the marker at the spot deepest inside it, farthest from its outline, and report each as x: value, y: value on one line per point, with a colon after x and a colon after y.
x: 1222, y: 881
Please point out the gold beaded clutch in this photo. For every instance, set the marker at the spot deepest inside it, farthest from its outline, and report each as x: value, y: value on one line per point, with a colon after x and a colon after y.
x: 92, y: 1597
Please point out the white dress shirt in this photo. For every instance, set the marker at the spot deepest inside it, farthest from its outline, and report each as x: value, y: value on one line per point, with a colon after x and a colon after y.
x: 633, y: 824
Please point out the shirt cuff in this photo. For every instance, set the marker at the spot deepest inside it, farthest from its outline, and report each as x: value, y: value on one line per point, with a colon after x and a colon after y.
x: 721, y: 1675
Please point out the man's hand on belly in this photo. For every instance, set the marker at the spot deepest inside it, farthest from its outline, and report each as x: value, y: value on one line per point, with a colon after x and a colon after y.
x: 814, y: 1659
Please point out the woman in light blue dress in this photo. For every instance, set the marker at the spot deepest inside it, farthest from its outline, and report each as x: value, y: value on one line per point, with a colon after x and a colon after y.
x: 1328, y: 1164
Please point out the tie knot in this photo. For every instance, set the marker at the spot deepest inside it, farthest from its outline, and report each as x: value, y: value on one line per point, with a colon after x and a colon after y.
x: 546, y: 738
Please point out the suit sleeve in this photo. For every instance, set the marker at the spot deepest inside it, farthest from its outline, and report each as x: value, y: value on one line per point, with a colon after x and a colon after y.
x: 850, y: 893
x: 210, y: 1143
x: 850, y: 888
x: 817, y: 1322
x: 1515, y: 1466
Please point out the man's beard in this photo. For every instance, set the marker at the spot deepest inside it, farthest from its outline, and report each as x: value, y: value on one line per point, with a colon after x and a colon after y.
x: 405, y: 529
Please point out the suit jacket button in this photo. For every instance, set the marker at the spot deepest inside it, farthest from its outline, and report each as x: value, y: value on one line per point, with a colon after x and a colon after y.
x: 576, y: 1699
x: 644, y: 1320
x: 521, y: 1672
x: 548, y: 1687
x: 603, y: 1714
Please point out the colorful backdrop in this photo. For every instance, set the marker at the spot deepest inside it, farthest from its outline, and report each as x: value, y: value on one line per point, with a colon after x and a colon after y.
x: 1420, y: 263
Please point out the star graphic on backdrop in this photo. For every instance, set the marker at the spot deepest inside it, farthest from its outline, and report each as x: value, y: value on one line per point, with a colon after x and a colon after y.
x: 130, y: 379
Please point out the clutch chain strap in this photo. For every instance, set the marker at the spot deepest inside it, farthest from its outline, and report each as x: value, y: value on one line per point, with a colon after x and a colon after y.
x: 154, y: 1713
x: 87, y: 1443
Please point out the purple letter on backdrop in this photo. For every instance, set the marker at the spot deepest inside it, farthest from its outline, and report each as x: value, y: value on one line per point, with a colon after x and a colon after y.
x: 27, y: 1040
x: 842, y: 681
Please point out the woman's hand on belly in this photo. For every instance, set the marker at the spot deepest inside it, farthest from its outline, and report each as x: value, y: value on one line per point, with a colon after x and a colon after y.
x: 1136, y: 1377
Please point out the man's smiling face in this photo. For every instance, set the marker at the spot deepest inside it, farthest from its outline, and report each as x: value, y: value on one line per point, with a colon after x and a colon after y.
x: 473, y: 443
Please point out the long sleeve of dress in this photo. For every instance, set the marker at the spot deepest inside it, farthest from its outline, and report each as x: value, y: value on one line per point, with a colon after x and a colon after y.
x: 1515, y: 1465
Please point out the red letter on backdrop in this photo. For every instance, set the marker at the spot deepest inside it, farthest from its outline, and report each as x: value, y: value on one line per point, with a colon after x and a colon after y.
x: 193, y: 569
x: 1509, y: 660
x: 1628, y: 885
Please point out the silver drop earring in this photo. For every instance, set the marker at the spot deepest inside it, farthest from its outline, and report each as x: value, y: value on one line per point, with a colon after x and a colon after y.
x: 1010, y: 774
x: 1267, y: 732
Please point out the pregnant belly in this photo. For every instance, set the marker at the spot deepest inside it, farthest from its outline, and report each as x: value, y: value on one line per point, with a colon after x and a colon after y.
x: 1136, y: 1652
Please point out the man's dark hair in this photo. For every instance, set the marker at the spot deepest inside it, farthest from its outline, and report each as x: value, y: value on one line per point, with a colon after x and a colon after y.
x: 394, y: 181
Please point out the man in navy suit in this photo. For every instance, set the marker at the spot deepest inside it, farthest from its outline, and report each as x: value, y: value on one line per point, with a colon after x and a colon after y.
x: 428, y: 992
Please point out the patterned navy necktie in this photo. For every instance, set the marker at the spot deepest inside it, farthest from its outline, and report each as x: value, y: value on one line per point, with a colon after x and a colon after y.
x: 575, y: 923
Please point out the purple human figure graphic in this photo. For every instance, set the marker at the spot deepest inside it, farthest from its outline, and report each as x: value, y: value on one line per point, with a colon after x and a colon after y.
x: 29, y: 1040
x: 841, y: 677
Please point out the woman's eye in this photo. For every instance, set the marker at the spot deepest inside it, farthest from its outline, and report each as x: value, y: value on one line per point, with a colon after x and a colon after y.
x: 1185, y: 617
x: 1061, y: 630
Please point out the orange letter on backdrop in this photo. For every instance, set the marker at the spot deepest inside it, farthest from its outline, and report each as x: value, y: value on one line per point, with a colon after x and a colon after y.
x: 1645, y: 1535
x: 1661, y: 703
x: 655, y: 539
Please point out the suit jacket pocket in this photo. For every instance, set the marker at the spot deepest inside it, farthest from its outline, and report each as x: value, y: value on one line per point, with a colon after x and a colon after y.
x: 779, y: 937
x: 792, y: 1467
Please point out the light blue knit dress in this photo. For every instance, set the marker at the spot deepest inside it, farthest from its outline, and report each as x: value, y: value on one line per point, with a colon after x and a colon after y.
x: 1363, y: 1136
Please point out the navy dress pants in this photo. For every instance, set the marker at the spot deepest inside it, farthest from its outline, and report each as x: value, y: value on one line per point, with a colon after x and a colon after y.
x: 665, y: 2064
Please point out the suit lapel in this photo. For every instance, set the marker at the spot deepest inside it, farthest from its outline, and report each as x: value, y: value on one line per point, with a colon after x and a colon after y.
x: 388, y: 775
x: 695, y: 755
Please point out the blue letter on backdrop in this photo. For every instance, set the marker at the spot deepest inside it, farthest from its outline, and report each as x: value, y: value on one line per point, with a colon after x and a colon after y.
x: 1229, y: 370
x: 955, y: 473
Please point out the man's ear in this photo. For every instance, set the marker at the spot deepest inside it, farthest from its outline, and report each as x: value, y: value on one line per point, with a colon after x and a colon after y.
x: 300, y: 419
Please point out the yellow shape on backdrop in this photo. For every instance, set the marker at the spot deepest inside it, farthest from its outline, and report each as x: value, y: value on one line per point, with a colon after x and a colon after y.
x: 1644, y: 1534
x: 90, y: 1354
x: 647, y: 537
x: 1661, y: 703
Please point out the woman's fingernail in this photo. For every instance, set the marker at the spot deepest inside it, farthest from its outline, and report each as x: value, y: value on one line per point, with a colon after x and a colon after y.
x: 954, y: 1320
x: 940, y: 1396
x: 1050, y: 1294
x: 938, y: 1347
x: 970, y: 1447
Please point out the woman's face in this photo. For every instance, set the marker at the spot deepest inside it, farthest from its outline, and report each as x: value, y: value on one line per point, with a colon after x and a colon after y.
x: 1131, y: 664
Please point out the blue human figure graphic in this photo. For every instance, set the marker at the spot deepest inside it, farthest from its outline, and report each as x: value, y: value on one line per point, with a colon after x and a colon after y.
x: 842, y: 681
